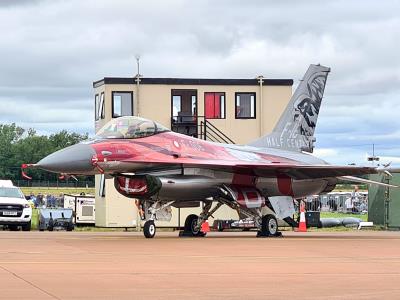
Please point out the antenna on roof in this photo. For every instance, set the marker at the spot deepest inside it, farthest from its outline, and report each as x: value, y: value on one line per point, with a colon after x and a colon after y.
x: 137, y: 57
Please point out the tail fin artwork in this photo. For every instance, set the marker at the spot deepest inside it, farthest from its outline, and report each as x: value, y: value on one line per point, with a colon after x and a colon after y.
x: 295, y: 129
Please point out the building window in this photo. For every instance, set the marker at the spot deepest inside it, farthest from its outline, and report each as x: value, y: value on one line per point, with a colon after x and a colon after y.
x: 184, y: 106
x: 96, y: 107
x: 245, y: 105
x: 176, y: 105
x: 214, y: 104
x: 100, y: 113
x: 122, y: 104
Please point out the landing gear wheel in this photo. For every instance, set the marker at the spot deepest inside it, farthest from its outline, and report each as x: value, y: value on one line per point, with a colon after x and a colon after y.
x: 149, y: 229
x: 269, y: 226
x: 190, y: 226
x: 220, y: 226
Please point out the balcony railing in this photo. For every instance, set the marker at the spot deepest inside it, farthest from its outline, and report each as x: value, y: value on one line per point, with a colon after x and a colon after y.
x: 199, y: 127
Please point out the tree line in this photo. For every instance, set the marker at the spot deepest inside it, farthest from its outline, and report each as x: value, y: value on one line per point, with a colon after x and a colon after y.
x: 18, y: 146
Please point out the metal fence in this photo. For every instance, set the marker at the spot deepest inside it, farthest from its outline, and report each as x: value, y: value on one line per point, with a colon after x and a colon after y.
x: 55, y: 184
x: 343, y: 202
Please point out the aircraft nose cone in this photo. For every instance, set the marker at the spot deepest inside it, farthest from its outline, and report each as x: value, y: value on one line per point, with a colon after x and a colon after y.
x: 75, y: 159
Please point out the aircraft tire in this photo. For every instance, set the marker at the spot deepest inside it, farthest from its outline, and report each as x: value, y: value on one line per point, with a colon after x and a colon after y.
x: 190, y: 222
x: 220, y: 226
x: 269, y: 226
x: 149, y: 229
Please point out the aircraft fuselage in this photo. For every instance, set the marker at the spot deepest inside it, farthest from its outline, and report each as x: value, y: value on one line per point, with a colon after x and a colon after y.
x: 189, y: 168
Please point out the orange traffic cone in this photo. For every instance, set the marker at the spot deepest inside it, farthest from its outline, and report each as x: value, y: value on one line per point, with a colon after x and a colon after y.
x: 302, y: 223
x: 205, y: 227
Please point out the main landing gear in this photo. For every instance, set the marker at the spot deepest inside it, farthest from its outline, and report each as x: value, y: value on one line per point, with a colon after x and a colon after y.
x: 192, y: 227
x: 267, y: 224
x: 193, y: 222
x: 269, y: 227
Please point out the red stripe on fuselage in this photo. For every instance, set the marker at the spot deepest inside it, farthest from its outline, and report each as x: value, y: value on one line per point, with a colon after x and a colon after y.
x: 243, y: 179
x: 285, y: 185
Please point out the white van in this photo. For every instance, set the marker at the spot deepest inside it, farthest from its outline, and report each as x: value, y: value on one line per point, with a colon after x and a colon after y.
x: 14, y: 208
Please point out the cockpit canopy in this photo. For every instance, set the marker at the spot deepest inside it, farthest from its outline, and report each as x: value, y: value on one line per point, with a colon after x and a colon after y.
x: 129, y: 128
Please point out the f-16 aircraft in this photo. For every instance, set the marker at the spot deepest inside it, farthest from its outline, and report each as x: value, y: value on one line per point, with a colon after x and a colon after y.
x: 161, y: 168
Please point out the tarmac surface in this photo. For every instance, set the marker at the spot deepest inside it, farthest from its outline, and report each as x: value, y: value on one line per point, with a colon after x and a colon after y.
x: 228, y: 265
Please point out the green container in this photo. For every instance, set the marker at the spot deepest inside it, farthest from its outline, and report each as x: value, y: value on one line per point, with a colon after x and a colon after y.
x: 384, y: 202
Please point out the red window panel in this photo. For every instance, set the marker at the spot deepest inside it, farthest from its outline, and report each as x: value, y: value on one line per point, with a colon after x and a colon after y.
x: 209, y: 105
x: 213, y: 102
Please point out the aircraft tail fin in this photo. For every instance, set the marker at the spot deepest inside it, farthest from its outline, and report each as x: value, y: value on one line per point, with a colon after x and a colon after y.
x: 295, y: 129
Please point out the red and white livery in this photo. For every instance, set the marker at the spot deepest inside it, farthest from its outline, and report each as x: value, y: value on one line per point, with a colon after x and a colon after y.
x: 161, y: 168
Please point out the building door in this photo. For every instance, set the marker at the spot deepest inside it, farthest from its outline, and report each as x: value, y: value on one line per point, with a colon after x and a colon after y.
x: 184, y: 111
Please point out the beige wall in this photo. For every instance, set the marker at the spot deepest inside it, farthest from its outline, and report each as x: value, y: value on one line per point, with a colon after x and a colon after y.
x: 114, y: 210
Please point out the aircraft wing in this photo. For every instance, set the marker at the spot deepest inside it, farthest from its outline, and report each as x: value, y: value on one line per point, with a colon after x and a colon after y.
x: 313, y: 171
x: 367, y: 181
x: 268, y: 170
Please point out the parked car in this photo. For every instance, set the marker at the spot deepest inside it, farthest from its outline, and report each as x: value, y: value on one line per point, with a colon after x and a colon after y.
x: 15, y: 210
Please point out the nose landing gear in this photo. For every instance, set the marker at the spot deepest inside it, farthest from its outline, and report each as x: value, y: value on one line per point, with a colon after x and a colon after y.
x: 149, y: 229
x: 150, y: 214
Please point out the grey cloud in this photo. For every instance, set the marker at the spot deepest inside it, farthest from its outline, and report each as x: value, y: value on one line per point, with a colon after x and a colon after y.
x: 13, y: 3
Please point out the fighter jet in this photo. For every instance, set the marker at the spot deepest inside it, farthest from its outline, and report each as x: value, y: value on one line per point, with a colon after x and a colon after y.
x: 160, y: 168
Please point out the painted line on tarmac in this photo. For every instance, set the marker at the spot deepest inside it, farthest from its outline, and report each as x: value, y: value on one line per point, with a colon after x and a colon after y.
x: 30, y: 283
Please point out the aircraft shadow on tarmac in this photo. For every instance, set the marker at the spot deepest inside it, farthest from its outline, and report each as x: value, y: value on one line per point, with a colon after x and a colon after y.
x: 285, y: 235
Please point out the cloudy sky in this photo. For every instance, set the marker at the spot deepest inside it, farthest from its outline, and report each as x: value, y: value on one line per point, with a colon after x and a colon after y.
x: 52, y: 51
